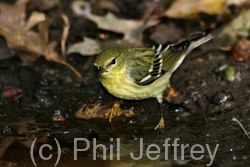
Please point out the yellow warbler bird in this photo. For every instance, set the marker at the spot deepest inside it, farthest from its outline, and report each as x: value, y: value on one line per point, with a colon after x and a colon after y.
x: 144, y: 72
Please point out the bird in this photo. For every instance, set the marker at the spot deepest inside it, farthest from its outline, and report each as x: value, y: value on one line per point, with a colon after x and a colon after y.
x: 138, y: 73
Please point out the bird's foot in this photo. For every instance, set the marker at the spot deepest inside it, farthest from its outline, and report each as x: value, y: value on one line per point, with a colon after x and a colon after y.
x: 160, y: 124
x: 113, y: 111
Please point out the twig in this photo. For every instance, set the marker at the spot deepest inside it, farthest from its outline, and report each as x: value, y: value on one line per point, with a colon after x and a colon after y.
x: 242, y: 127
x: 65, y: 32
x: 52, y: 55
x: 65, y: 35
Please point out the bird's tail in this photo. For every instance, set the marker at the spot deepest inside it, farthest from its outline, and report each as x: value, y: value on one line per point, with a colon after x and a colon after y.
x: 174, y: 54
x: 196, y: 39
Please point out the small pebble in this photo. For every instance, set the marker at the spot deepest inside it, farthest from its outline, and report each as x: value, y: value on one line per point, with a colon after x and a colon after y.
x: 222, y: 97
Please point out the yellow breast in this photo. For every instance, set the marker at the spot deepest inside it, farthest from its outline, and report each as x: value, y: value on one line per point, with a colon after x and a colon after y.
x: 122, y: 86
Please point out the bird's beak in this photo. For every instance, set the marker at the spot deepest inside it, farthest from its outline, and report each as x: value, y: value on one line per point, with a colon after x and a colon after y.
x: 101, y: 70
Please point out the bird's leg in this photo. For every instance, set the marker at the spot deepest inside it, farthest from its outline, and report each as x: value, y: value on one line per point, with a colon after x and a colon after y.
x: 161, y: 122
x: 113, y: 111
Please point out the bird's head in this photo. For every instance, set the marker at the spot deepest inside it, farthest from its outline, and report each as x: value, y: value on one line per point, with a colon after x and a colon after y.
x: 111, y: 61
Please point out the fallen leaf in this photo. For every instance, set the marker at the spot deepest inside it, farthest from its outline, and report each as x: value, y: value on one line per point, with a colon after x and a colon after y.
x: 189, y: 9
x: 17, y: 31
x: 131, y: 29
x: 88, y: 47
x: 21, y: 37
x: 241, y: 50
x: 34, y: 42
x: 12, y: 16
x: 88, y: 111
x: 34, y: 19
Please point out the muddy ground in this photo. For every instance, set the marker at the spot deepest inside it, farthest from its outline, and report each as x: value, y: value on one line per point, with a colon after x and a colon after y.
x: 202, y: 114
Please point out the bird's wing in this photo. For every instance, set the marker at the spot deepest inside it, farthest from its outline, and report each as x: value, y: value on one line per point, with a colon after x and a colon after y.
x: 145, y: 67
x: 154, y: 62
x: 148, y: 67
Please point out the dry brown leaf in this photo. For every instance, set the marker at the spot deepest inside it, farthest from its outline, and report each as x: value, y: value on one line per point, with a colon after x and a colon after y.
x: 11, y: 21
x: 29, y: 41
x: 34, y: 19
x: 12, y: 16
x: 131, y: 29
x: 88, y: 47
x: 20, y: 37
x: 36, y: 42
x: 17, y: 32
x: 189, y: 9
x: 88, y: 111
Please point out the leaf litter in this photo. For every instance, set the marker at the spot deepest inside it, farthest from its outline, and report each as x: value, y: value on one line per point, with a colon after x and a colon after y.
x: 131, y: 30
x: 21, y: 37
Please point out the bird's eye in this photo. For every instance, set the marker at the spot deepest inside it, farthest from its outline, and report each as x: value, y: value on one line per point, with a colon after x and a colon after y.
x: 113, y: 61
